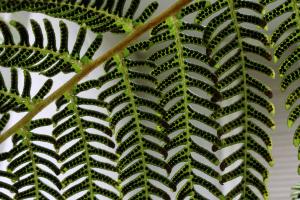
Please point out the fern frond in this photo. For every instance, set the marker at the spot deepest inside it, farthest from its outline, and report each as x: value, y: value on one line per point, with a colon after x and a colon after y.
x: 47, y: 60
x: 136, y: 119
x: 184, y: 71
x: 230, y: 40
x: 28, y: 160
x: 80, y: 127
x: 99, y: 16
x: 11, y: 99
x: 6, y: 178
x: 285, y: 40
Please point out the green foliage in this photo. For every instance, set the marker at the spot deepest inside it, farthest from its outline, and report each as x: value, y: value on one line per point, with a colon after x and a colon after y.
x: 83, y: 136
x: 11, y: 99
x: 26, y: 159
x: 283, y: 39
x: 180, y: 98
x: 47, y: 60
x: 136, y: 120
x: 6, y: 177
x: 156, y: 125
x: 227, y: 44
x: 99, y: 16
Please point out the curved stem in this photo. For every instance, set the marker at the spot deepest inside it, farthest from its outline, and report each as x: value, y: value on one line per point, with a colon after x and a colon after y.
x: 86, y: 69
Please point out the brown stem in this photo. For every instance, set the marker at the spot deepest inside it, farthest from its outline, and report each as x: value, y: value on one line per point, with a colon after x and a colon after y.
x: 90, y: 67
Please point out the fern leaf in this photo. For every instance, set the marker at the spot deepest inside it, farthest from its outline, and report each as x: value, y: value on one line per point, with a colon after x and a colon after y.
x: 47, y: 60
x: 79, y: 125
x: 99, y: 16
x: 11, y: 99
x: 6, y: 178
x: 229, y: 44
x: 284, y: 39
x: 183, y: 70
x: 28, y: 159
x: 136, y: 119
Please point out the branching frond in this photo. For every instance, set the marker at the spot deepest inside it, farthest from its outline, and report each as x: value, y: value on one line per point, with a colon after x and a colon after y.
x: 47, y: 60
x: 132, y: 99
x: 231, y: 37
x: 285, y: 41
x: 11, y: 99
x: 184, y: 71
x: 97, y: 15
x: 33, y: 163
x: 80, y: 128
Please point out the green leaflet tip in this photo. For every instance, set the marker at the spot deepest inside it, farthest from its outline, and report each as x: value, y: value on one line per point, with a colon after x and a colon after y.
x: 13, y: 23
x: 281, y: 75
x: 266, y: 28
x: 270, y: 147
x: 85, y: 60
x: 207, y: 3
x: 275, y: 59
x: 158, y: 128
x: 273, y: 109
x: 266, y: 181
x: 108, y: 119
x: 272, y: 163
x: 273, y: 74
x: 126, y: 52
x: 287, y: 106
x: 290, y: 123
x: 273, y: 127
x: 296, y: 142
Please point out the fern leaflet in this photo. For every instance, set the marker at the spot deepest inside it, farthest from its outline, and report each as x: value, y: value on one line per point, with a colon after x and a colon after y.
x: 47, y: 60
x: 12, y: 100
x: 99, y: 16
x: 6, y: 178
x: 140, y: 140
x: 225, y: 21
x: 283, y: 39
x: 31, y: 162
x: 186, y: 67
x: 89, y: 144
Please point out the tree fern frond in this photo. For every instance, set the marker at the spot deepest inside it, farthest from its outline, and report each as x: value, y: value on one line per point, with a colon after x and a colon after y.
x: 33, y: 163
x: 136, y: 119
x: 11, y: 99
x: 182, y: 65
x: 6, y: 178
x: 284, y: 40
x: 227, y: 39
x: 47, y: 60
x: 79, y: 125
x: 100, y: 16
